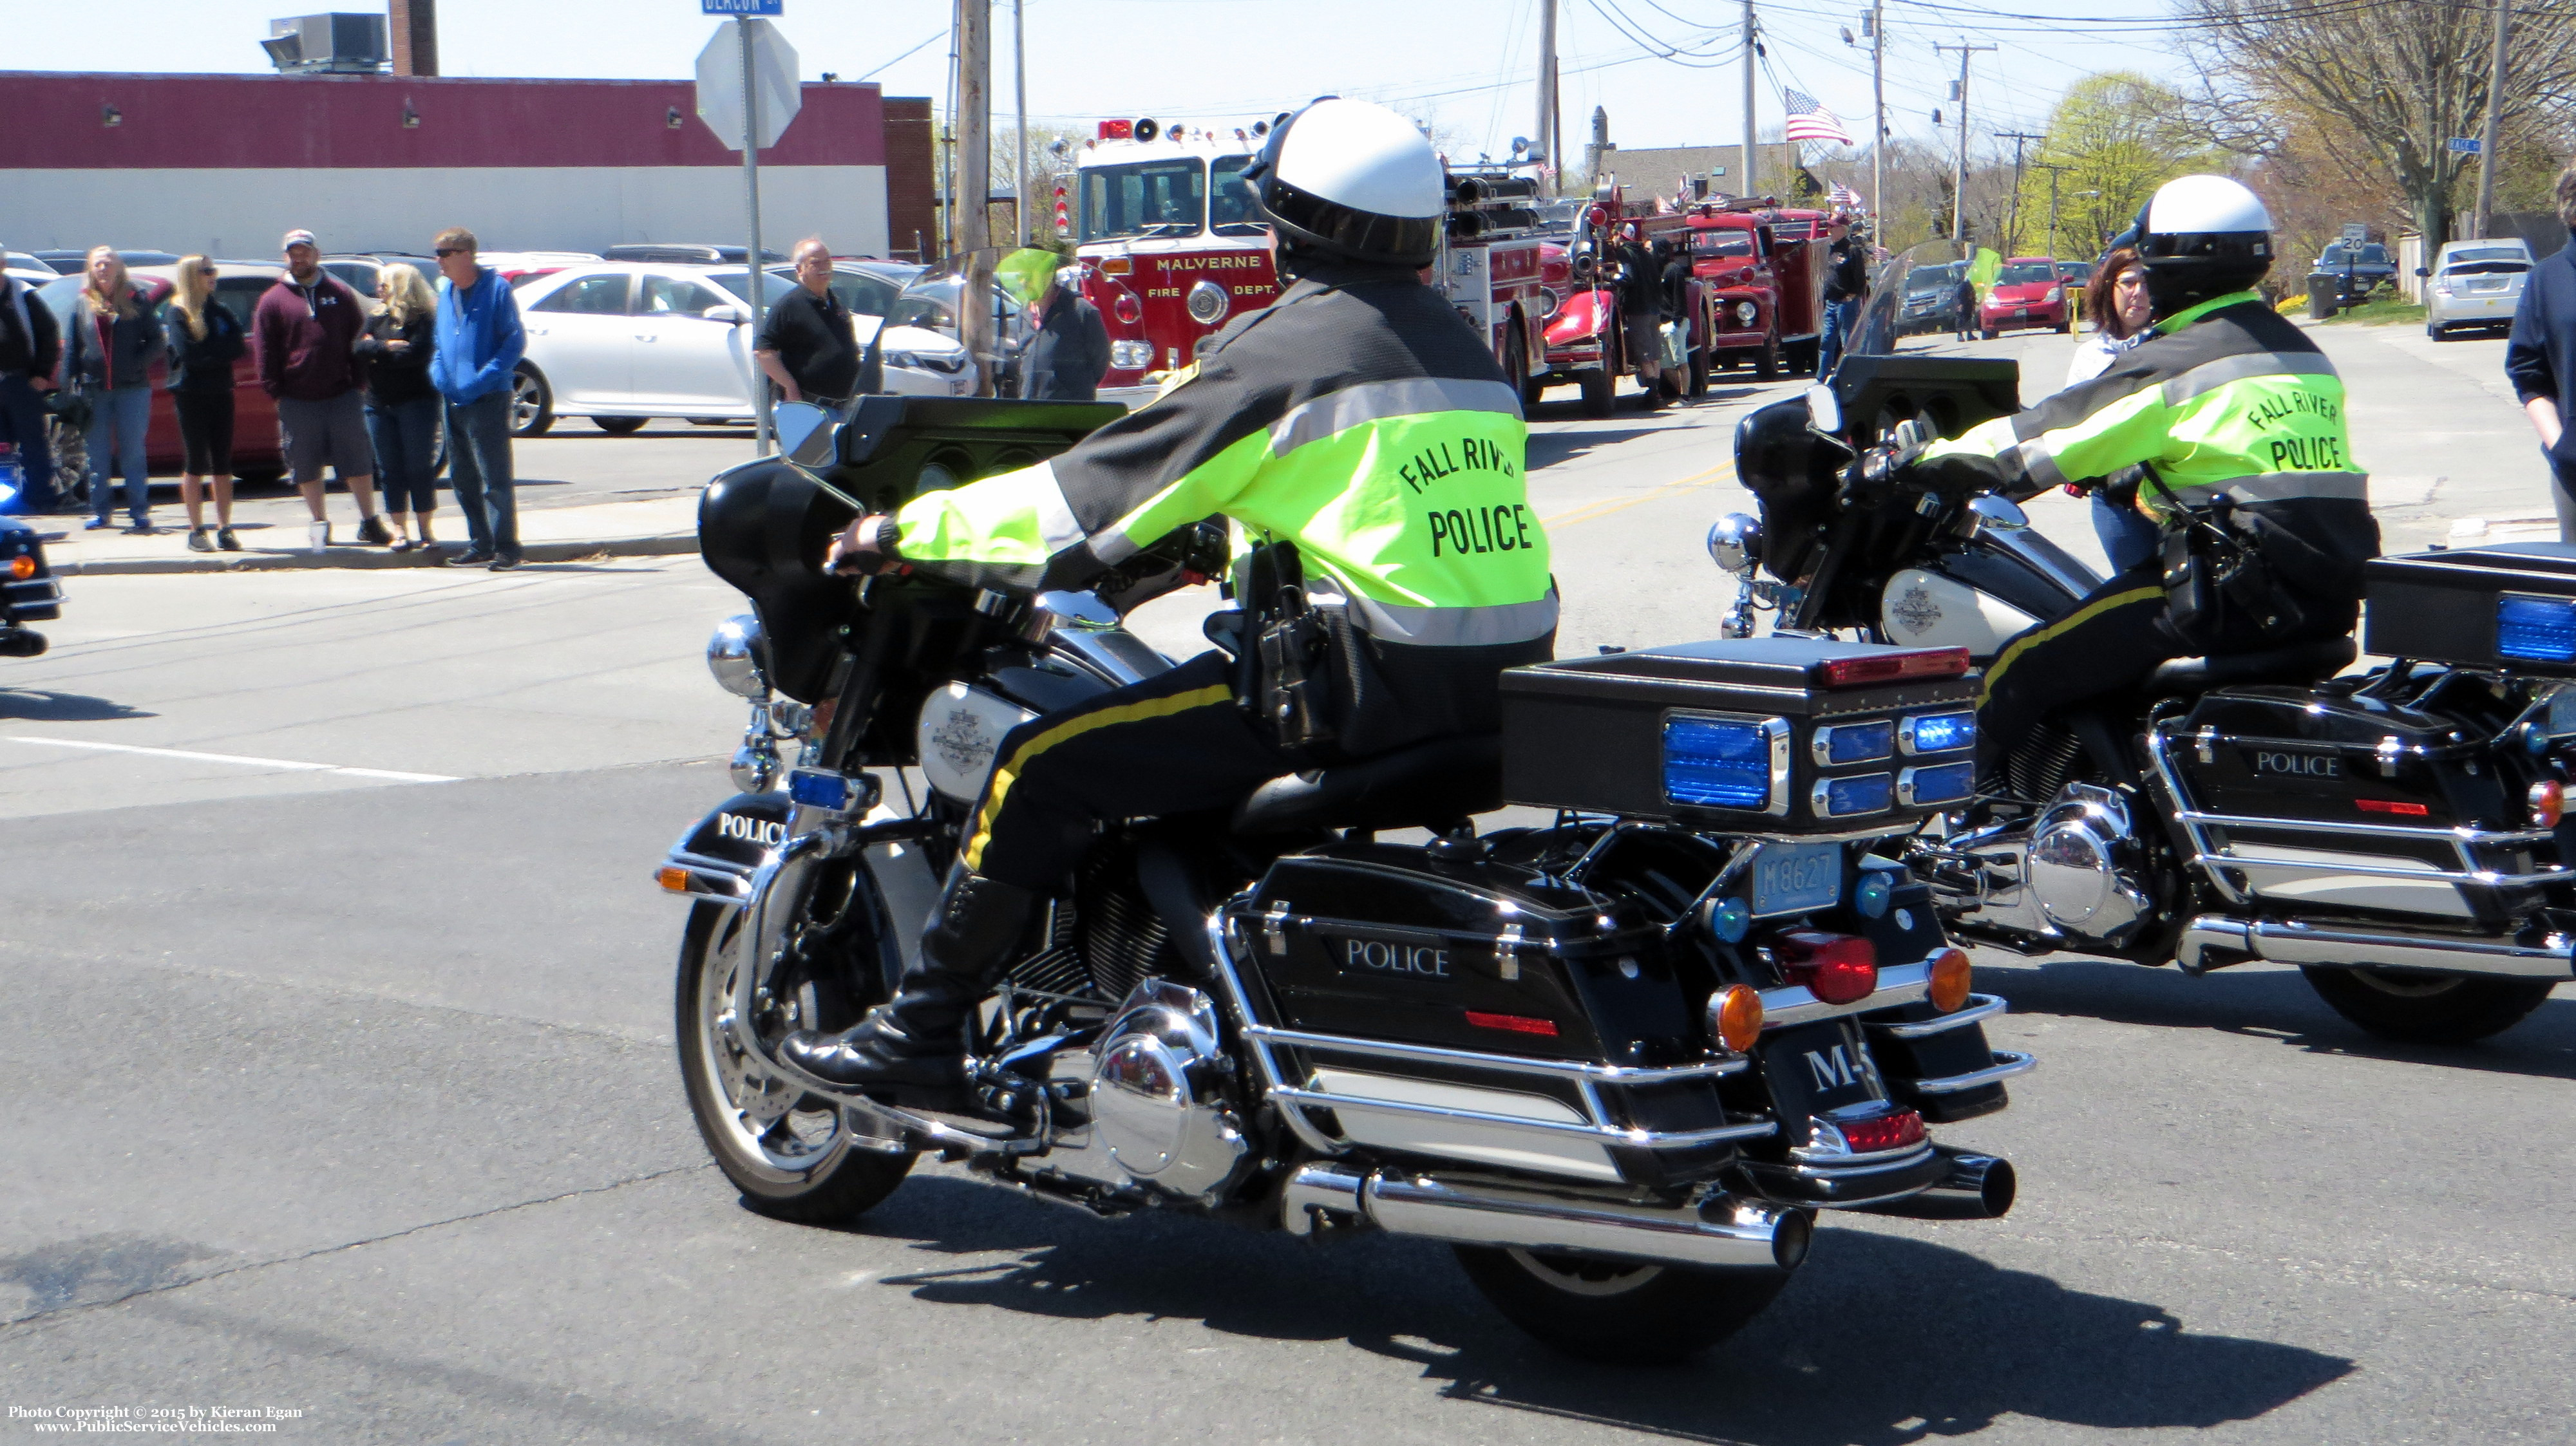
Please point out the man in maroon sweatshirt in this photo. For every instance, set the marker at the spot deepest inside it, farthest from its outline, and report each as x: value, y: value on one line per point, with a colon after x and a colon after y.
x: 303, y: 334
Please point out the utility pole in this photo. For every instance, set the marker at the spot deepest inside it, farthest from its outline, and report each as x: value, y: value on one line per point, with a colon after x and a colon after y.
x: 975, y: 183
x: 1878, y: 117
x: 2495, y: 115
x: 2012, y: 212
x: 1752, y: 183
x: 1959, y: 176
x: 1546, y: 132
x: 2054, y: 170
x: 1020, y: 85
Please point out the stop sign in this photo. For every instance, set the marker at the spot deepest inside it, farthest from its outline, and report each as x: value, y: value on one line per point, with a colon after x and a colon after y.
x: 773, y: 78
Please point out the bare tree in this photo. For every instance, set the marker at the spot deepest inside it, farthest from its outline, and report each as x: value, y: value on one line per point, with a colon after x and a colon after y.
x: 2392, y: 81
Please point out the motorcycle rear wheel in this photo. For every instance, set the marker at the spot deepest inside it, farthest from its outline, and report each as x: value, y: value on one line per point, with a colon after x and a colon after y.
x: 791, y: 1154
x: 2427, y: 1008
x: 1618, y: 1312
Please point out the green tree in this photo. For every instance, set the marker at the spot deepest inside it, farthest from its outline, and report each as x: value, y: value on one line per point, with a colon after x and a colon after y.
x: 2118, y: 136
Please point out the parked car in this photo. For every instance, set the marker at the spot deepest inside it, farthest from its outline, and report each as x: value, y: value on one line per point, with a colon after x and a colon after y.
x: 2475, y: 283
x: 683, y: 253
x: 363, y: 273
x: 257, y: 455
x: 2028, y: 292
x: 1932, y: 298
x: 521, y: 267
x: 71, y: 263
x: 2355, y: 270
x: 622, y: 344
x: 2074, y: 276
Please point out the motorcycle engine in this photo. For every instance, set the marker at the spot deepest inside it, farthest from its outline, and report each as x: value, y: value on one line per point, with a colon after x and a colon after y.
x: 2084, y: 864
x: 1159, y: 1117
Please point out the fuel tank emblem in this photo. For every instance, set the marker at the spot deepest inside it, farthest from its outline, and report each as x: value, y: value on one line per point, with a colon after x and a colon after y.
x: 1916, y: 610
x: 960, y: 739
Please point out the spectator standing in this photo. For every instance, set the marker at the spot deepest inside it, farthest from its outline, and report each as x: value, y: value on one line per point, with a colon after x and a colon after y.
x: 1067, y: 352
x: 1965, y: 299
x: 115, y: 337
x: 402, y: 407
x: 478, y: 345
x: 2116, y: 299
x: 305, y: 333
x: 2540, y: 360
x: 205, y: 341
x: 1641, y: 295
x: 31, y: 345
x: 1846, y: 284
x: 807, y: 348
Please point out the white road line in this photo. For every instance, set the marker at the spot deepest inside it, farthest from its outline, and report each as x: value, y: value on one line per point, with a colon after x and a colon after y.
x: 285, y: 763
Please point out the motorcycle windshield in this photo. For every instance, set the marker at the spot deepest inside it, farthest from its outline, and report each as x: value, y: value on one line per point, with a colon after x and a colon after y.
x: 923, y: 318
x: 1895, y: 275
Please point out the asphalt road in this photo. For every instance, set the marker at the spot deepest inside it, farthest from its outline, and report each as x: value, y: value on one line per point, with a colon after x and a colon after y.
x: 352, y: 1095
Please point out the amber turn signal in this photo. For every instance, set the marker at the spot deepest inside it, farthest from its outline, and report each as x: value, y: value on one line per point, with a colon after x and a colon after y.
x: 672, y: 877
x: 1739, y: 1017
x: 21, y: 568
x: 2548, y: 802
x: 1950, y: 976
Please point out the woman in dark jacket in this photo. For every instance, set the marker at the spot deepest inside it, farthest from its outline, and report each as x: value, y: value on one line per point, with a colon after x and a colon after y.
x: 115, y: 337
x: 402, y: 406
x: 205, y: 341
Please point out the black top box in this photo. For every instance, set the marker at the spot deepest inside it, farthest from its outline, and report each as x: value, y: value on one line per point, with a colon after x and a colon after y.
x: 1770, y: 736
x: 2509, y: 607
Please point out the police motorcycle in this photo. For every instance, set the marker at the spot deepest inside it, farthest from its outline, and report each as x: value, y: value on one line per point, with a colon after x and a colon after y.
x: 1618, y: 1060
x: 2395, y: 833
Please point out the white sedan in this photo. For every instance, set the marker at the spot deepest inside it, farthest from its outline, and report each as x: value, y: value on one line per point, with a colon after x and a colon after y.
x: 622, y: 344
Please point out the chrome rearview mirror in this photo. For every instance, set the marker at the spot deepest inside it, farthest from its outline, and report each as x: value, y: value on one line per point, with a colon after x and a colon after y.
x: 2000, y: 513
x: 1824, y: 413
x: 1735, y: 543
x: 804, y: 432
x: 733, y: 655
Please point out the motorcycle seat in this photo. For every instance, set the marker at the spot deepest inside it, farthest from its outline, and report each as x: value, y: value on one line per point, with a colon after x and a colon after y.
x: 2307, y: 662
x: 1429, y: 785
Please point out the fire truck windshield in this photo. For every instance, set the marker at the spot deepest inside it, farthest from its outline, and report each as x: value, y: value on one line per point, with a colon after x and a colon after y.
x: 1232, y: 210
x: 1721, y: 243
x: 1145, y: 198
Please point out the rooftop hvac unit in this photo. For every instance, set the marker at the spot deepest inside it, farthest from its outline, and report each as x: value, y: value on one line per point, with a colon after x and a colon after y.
x: 337, y: 44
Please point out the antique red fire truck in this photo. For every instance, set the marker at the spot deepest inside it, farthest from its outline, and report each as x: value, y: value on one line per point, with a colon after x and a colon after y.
x: 1587, y: 336
x: 1764, y: 269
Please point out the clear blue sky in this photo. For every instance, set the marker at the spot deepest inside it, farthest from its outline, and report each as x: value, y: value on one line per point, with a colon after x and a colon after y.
x: 1469, y: 62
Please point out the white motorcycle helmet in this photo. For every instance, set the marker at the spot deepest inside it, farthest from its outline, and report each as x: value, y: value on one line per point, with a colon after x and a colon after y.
x: 1347, y: 179
x: 2202, y: 236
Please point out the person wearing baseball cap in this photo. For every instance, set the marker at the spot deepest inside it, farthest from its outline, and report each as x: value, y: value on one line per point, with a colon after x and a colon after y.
x: 304, y: 334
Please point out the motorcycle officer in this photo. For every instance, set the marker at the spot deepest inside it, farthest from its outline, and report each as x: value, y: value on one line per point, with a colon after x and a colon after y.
x: 2231, y: 412
x: 1358, y: 419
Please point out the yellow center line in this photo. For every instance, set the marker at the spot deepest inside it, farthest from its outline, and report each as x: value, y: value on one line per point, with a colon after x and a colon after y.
x: 1591, y: 510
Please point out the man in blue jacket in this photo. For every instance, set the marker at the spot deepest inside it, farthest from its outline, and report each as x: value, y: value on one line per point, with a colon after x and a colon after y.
x: 2541, y: 358
x: 474, y: 367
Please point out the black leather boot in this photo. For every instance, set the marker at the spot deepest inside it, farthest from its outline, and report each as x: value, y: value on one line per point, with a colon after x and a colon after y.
x: 918, y: 1039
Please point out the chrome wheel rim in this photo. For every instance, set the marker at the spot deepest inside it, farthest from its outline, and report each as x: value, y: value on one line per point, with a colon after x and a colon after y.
x: 772, y: 1126
x: 525, y: 402
x: 1584, y: 1275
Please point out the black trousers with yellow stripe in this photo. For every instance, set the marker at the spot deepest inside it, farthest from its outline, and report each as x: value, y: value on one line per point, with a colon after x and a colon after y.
x: 2112, y: 639
x: 1175, y: 743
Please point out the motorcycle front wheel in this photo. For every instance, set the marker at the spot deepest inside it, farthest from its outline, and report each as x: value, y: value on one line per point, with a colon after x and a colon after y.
x: 2426, y: 1008
x: 792, y: 1154
x: 1618, y: 1312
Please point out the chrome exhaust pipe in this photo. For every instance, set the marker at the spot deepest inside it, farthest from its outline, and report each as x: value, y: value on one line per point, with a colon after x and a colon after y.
x: 2553, y: 957
x: 1976, y: 1187
x: 1726, y: 1231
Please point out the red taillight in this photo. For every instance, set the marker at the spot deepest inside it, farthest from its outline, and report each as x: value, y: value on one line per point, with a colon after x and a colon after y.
x: 1512, y: 1023
x: 1836, y: 968
x: 1887, y: 1132
x: 1890, y: 667
x: 2390, y: 805
x: 2548, y: 803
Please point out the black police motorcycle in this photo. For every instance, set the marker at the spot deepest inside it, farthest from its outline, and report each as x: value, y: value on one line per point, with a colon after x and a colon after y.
x: 1617, y: 1059
x: 2395, y: 833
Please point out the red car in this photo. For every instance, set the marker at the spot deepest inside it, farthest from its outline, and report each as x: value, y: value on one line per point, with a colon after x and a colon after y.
x: 257, y: 456
x: 2028, y: 292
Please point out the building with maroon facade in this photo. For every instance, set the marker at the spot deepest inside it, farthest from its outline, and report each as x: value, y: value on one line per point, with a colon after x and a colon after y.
x: 227, y: 163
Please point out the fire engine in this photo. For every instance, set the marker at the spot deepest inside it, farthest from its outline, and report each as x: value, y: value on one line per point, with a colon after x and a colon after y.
x: 1587, y: 341
x: 1165, y: 228
x: 1764, y: 270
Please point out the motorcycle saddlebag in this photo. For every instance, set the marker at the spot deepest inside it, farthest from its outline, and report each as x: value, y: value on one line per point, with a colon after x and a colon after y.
x: 1765, y: 736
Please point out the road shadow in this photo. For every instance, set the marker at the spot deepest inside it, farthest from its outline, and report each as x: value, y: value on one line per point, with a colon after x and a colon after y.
x: 1546, y: 449
x: 41, y: 705
x: 1879, y: 1341
x: 2269, y: 1004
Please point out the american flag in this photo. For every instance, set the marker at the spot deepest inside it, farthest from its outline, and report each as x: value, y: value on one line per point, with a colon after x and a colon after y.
x: 1842, y: 195
x: 1810, y: 121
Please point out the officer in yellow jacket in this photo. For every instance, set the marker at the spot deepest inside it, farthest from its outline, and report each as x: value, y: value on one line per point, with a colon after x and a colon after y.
x: 1359, y: 421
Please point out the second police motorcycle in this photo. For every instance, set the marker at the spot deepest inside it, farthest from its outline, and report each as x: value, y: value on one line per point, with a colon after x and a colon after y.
x: 2395, y: 833
x: 1619, y: 1057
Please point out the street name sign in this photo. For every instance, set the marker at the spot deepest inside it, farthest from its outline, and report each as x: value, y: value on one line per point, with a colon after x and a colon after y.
x: 730, y: 8
x: 2467, y: 145
x: 773, y: 75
